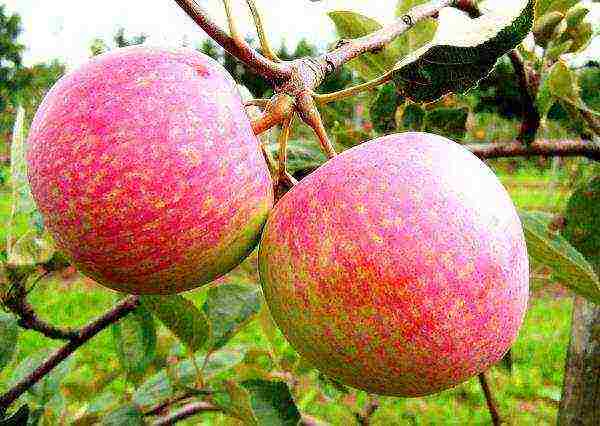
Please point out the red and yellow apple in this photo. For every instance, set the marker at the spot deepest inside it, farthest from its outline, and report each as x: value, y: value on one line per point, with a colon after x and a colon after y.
x: 145, y: 168
x: 399, y: 267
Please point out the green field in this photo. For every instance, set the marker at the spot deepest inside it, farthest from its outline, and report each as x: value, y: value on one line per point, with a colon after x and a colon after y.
x: 528, y: 395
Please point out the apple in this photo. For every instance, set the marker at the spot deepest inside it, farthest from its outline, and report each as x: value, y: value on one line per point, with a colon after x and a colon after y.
x: 399, y: 267
x: 145, y: 168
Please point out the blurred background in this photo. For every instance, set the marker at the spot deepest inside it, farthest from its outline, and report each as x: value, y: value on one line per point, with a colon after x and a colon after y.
x: 40, y: 41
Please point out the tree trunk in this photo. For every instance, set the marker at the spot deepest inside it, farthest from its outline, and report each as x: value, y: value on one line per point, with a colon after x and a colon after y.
x: 580, y: 403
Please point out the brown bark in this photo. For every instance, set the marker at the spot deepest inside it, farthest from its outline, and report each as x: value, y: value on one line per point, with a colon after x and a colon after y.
x: 559, y: 148
x: 580, y: 405
x: 531, y: 116
x: 490, y: 400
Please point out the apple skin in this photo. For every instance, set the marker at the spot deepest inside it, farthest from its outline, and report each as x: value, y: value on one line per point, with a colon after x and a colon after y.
x: 399, y: 267
x: 145, y: 168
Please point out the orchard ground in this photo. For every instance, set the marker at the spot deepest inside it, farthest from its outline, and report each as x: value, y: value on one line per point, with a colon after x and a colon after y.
x: 530, y: 395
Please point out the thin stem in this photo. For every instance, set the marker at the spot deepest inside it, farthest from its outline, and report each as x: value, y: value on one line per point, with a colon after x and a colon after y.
x: 28, y: 318
x: 352, y: 91
x: 381, y: 38
x: 269, y: 159
x: 283, y: 177
x: 233, y: 29
x: 160, y: 408
x: 262, y: 103
x: 186, y: 412
x: 489, y: 397
x: 284, y: 136
x: 565, y: 148
x: 118, y: 312
x: 164, y: 406
x: 243, y: 51
x: 312, y: 117
x: 265, y: 46
x: 266, y: 122
x: 278, y: 109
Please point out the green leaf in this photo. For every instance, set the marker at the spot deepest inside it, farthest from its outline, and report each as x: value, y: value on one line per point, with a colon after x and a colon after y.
x: 563, y: 85
x: 448, y: 122
x: 576, y: 15
x: 163, y: 384
x: 235, y: 402
x: 420, y: 34
x: 351, y: 25
x: 48, y: 386
x: 9, y: 334
x: 304, y: 156
x: 544, y: 99
x: 135, y: 341
x: 127, y: 415
x: 413, y: 117
x: 463, y: 51
x: 557, y: 48
x: 35, y: 246
x: 32, y: 249
x: 259, y: 402
x: 52, y: 412
x: 36, y: 415
x: 545, y: 6
x: 581, y: 36
x: 229, y: 307
x: 569, y: 266
x: 182, y: 317
x: 97, y: 408
x: 582, y: 218
x: 383, y: 109
x: 544, y: 27
x: 331, y: 387
x: 272, y: 403
x: 22, y: 200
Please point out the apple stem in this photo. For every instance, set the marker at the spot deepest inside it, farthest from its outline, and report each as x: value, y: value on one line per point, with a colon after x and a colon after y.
x: 282, y: 141
x: 308, y: 111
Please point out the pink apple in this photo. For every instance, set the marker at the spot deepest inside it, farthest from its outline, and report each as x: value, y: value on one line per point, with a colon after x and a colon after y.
x: 399, y: 267
x: 147, y: 172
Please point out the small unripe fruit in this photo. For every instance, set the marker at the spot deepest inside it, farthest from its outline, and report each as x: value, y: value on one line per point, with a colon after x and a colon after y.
x: 147, y: 172
x: 399, y: 267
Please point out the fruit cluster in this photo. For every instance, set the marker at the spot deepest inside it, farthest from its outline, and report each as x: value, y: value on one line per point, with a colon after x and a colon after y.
x: 399, y: 267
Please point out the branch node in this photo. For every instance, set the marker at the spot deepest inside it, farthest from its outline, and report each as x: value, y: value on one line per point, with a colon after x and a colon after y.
x: 341, y: 42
